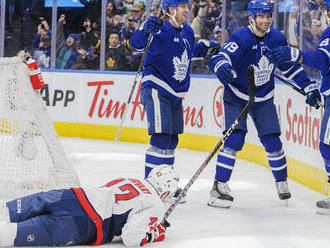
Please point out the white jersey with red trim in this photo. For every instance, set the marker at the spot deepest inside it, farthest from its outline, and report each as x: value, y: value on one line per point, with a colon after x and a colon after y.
x: 123, y: 207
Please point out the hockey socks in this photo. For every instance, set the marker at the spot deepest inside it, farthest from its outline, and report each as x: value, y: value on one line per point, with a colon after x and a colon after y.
x: 277, y: 163
x: 225, y: 164
x: 156, y: 156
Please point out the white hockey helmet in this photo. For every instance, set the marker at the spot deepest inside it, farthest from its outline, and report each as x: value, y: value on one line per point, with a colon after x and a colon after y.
x: 163, y: 178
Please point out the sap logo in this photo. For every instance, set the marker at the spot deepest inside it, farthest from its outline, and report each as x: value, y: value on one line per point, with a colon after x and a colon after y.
x: 53, y: 97
x: 255, y: 47
x: 176, y: 39
x: 19, y: 206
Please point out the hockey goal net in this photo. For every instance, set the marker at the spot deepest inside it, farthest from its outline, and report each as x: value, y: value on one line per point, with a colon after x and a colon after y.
x: 31, y: 156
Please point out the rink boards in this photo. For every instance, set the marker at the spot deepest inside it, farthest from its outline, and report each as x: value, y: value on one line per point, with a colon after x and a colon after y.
x: 91, y: 105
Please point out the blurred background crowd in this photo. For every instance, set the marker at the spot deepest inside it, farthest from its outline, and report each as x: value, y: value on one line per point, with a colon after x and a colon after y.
x: 78, y: 38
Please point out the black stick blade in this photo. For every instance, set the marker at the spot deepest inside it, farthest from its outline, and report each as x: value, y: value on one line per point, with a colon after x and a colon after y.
x: 251, y: 85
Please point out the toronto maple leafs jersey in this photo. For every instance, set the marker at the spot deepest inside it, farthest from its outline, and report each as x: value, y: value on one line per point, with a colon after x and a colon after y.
x: 167, y: 62
x: 320, y: 59
x: 244, y: 49
x: 123, y: 207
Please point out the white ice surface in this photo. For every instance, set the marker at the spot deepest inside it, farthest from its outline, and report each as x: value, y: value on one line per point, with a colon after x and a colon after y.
x: 257, y: 219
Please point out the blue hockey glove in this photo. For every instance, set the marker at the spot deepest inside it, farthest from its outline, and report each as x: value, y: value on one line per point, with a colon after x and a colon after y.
x: 282, y: 54
x: 313, y: 96
x: 152, y: 25
x: 225, y: 73
x: 212, y: 47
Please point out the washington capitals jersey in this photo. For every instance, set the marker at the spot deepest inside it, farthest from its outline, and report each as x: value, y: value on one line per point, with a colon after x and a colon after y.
x: 244, y: 49
x: 168, y: 59
x: 320, y: 59
x: 123, y: 207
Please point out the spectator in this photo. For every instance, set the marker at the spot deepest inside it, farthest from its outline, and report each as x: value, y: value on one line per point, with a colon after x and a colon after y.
x: 110, y: 12
x: 111, y: 9
x: 212, y: 18
x: 43, y: 30
x: 138, y: 12
x: 88, y: 39
x: 198, y: 21
x: 120, y: 7
x: 290, y: 26
x: 115, y: 25
x: 130, y: 26
x: 67, y: 52
x: 127, y: 6
x: 312, y: 28
x: 60, y: 28
x: 116, y: 54
x: 93, y: 9
x: 218, y: 33
x: 42, y: 55
x: 239, y: 9
x: 233, y: 25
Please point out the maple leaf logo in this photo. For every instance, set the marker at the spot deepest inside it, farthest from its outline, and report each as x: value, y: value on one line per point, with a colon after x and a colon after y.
x: 181, y: 66
x: 263, y: 71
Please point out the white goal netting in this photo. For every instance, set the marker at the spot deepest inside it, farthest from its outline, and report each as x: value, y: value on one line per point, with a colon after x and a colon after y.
x: 31, y: 156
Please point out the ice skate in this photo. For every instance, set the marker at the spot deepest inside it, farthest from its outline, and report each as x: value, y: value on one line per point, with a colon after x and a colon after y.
x: 220, y: 195
x: 283, y: 191
x: 323, y: 206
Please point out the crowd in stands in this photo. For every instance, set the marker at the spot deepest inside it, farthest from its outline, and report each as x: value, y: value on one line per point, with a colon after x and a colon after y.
x: 78, y: 31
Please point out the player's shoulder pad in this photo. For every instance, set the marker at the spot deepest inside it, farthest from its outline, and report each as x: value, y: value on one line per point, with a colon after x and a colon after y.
x: 187, y: 28
x: 242, y: 36
x: 240, y: 33
x: 277, y: 37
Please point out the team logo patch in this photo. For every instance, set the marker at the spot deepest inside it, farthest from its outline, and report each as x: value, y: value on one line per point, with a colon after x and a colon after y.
x: 181, y: 66
x: 263, y: 71
x: 176, y: 39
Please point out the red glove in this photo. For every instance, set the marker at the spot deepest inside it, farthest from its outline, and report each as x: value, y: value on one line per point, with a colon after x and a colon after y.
x: 157, y: 234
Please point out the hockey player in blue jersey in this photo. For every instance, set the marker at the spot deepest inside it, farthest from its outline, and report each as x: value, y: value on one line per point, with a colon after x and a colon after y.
x: 320, y: 60
x: 165, y: 77
x: 125, y: 207
x: 250, y: 46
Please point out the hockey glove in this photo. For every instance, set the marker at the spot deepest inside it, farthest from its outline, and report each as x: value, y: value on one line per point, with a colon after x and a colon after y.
x: 313, y: 96
x: 282, y: 54
x: 155, y: 235
x: 152, y: 25
x: 224, y: 71
x: 211, y: 47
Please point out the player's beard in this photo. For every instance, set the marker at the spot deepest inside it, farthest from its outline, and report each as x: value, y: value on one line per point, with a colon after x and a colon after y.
x: 262, y: 29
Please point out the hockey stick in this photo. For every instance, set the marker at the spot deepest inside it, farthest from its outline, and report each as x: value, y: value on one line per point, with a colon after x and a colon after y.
x: 300, y: 91
x: 128, y: 103
x: 250, y: 75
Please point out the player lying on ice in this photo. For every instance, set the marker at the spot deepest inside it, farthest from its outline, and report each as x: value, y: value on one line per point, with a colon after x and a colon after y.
x: 129, y: 208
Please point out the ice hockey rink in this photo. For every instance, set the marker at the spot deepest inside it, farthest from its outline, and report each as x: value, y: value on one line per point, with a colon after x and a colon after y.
x: 257, y: 219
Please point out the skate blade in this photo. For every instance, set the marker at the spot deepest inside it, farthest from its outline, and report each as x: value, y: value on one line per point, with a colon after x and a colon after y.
x: 218, y: 203
x: 323, y: 211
